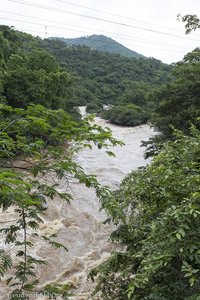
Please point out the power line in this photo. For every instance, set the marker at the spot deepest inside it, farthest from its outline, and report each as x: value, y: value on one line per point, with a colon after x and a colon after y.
x: 116, y: 15
x: 68, y: 29
x: 98, y: 19
x: 136, y: 46
x: 38, y: 24
x: 47, y: 20
x: 87, y: 28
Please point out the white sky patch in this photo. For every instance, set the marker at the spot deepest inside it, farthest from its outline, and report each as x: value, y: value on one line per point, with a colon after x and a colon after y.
x: 150, y: 27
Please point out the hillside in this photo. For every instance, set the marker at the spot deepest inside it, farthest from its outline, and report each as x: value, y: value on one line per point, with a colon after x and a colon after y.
x: 105, y: 77
x: 70, y: 76
x: 100, y: 43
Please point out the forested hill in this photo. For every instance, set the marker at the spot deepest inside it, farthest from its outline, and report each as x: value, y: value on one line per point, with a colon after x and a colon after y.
x: 101, y: 43
x: 103, y: 76
x: 51, y: 73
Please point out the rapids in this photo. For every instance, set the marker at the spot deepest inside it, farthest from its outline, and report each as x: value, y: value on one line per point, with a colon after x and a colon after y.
x: 79, y: 225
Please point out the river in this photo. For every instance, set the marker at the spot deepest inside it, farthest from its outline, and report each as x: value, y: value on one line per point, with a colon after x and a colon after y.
x: 79, y: 225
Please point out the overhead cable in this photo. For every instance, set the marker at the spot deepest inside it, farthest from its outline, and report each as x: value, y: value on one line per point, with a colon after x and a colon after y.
x: 69, y: 29
x: 98, y: 19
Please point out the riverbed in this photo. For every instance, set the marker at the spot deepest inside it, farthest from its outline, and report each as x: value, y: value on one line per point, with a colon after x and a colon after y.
x: 79, y: 225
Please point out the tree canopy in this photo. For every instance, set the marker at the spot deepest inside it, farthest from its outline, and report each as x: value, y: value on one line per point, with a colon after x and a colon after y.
x: 192, y: 22
x: 156, y: 211
x: 105, y: 77
x: 177, y: 103
x: 39, y: 137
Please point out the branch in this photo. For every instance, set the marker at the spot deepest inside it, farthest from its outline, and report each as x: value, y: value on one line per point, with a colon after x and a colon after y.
x: 25, y: 247
x: 8, y: 125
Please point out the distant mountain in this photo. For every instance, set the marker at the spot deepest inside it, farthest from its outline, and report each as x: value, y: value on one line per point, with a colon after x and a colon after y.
x: 101, y: 43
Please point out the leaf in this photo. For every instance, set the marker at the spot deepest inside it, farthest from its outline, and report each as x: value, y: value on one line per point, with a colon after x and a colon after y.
x: 178, y: 235
x: 192, y: 281
x: 110, y: 153
x: 182, y: 232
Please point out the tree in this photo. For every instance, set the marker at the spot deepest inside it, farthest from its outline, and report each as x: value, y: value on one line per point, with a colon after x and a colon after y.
x: 177, y: 103
x: 135, y: 93
x: 36, y: 78
x: 126, y: 115
x: 156, y: 211
x: 37, y: 142
x: 94, y: 108
x: 39, y: 59
x: 192, y: 22
x: 104, y: 76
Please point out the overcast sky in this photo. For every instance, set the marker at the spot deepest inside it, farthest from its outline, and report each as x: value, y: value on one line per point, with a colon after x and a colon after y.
x: 149, y: 27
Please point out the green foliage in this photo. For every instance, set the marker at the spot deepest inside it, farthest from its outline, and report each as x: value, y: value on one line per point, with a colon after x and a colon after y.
x: 31, y: 75
x: 177, y: 103
x: 36, y: 78
x: 38, y: 142
x: 126, y: 115
x: 100, y: 43
x: 192, y: 22
x: 156, y: 211
x: 94, y: 108
x: 5, y: 263
x: 64, y: 77
x: 136, y: 93
x: 105, y: 77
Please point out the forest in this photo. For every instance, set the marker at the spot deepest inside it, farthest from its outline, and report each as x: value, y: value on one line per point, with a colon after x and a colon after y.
x: 101, y: 43
x: 156, y: 208
x: 105, y: 78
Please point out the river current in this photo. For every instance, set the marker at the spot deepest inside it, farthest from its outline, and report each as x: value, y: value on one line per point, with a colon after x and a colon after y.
x: 79, y: 225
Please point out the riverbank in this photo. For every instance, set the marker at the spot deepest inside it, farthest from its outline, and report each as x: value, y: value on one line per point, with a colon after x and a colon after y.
x: 79, y: 225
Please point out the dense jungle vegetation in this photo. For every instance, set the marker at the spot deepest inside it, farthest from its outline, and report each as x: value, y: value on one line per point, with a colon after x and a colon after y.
x: 40, y: 132
x: 156, y: 209
x: 105, y: 78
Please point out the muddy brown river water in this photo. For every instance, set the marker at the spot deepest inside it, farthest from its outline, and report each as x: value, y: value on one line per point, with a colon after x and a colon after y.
x: 79, y: 225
